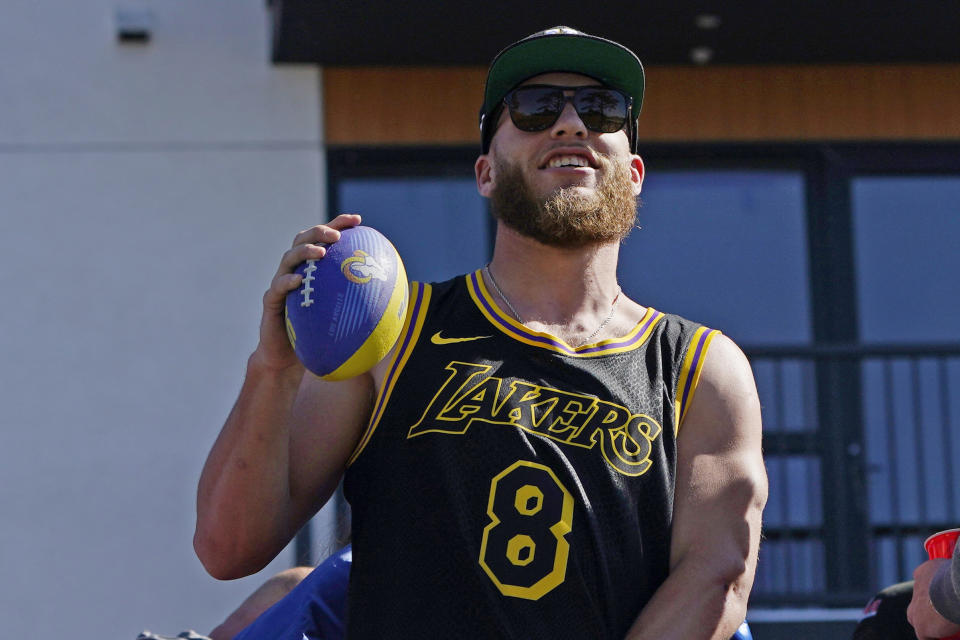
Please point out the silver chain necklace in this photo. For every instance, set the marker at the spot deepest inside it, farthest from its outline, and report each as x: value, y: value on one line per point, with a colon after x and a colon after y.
x: 496, y: 287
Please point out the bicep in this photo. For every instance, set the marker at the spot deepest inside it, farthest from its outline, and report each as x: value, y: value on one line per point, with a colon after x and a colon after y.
x: 721, y: 484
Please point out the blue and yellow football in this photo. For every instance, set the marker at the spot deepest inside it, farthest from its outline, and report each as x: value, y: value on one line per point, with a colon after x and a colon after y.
x: 349, y: 310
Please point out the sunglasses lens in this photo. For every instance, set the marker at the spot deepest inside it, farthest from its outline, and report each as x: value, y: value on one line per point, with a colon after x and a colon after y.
x: 602, y: 110
x: 535, y: 108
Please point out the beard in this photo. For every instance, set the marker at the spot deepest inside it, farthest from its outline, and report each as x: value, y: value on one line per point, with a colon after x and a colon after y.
x: 567, y: 217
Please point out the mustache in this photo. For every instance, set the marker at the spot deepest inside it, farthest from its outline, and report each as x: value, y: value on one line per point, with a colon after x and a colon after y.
x: 568, y: 217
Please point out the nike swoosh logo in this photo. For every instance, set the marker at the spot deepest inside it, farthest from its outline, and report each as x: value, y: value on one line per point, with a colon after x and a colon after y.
x: 438, y: 339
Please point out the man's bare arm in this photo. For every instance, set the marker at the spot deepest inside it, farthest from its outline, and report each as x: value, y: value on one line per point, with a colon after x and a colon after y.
x: 721, y: 489
x: 284, y: 445
x: 277, y: 460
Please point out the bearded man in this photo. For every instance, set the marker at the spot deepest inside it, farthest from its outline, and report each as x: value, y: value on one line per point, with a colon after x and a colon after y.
x: 540, y: 456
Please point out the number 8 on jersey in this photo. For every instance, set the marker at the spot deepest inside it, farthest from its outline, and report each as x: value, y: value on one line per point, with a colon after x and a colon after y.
x: 524, y: 550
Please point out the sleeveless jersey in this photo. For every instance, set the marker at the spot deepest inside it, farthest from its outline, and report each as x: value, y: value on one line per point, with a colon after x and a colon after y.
x: 511, y: 486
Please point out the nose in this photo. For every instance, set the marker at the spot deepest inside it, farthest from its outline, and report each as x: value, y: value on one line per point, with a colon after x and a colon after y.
x: 569, y: 123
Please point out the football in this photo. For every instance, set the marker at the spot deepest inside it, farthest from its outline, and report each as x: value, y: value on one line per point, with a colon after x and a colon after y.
x: 349, y: 309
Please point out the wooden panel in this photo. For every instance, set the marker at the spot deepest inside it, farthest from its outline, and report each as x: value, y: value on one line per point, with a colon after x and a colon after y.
x: 388, y: 106
x: 403, y: 105
x: 803, y: 103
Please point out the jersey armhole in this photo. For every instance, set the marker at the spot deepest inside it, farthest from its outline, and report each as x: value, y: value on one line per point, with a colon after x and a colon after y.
x: 690, y: 373
x: 413, y: 325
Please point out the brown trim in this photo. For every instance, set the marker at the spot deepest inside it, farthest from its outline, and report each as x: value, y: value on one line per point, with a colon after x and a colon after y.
x: 426, y: 106
x: 402, y: 105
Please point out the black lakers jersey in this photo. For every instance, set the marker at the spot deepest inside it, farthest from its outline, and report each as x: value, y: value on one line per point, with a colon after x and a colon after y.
x: 511, y: 486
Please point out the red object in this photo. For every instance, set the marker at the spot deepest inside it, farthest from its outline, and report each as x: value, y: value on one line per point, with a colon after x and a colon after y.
x: 940, y: 545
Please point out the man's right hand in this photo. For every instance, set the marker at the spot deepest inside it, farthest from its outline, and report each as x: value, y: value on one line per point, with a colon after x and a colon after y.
x: 274, y: 351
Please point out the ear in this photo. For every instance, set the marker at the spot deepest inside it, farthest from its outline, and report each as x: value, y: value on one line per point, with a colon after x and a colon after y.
x: 637, y: 172
x: 483, y: 169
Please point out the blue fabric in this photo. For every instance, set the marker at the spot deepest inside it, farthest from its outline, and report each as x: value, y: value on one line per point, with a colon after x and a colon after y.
x: 743, y: 632
x: 314, y: 610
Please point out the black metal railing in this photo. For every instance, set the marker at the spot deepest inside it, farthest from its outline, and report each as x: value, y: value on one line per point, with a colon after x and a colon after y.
x: 859, y: 443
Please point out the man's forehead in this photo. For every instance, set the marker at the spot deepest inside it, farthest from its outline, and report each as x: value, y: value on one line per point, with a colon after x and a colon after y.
x: 562, y: 78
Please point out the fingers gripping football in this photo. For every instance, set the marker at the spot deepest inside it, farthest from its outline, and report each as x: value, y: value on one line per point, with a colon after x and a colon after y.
x: 274, y: 349
x: 350, y: 307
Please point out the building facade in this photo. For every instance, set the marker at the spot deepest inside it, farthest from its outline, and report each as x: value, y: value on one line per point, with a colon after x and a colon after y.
x: 150, y: 184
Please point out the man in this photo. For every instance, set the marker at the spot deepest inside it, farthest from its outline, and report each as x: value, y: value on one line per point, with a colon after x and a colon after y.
x: 540, y: 456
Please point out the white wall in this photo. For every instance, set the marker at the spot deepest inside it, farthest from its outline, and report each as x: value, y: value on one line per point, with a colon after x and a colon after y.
x: 146, y: 194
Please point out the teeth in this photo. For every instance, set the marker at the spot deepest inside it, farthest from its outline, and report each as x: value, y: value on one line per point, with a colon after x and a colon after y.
x: 567, y: 161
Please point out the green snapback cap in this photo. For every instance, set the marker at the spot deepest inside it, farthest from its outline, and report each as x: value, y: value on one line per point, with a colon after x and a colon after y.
x: 561, y: 49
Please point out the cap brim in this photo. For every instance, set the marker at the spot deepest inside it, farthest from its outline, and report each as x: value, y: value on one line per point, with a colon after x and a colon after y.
x: 608, y: 62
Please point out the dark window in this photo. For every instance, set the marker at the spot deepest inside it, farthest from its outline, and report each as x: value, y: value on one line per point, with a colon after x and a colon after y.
x: 726, y: 248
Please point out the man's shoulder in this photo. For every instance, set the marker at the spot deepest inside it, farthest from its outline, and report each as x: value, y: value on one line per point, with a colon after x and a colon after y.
x: 714, y: 357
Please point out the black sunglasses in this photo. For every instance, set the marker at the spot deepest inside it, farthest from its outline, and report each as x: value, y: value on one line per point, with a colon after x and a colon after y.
x: 535, y: 107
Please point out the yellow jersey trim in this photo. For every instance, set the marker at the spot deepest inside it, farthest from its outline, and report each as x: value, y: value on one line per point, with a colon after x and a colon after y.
x: 690, y: 373
x: 417, y: 312
x: 504, y: 323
